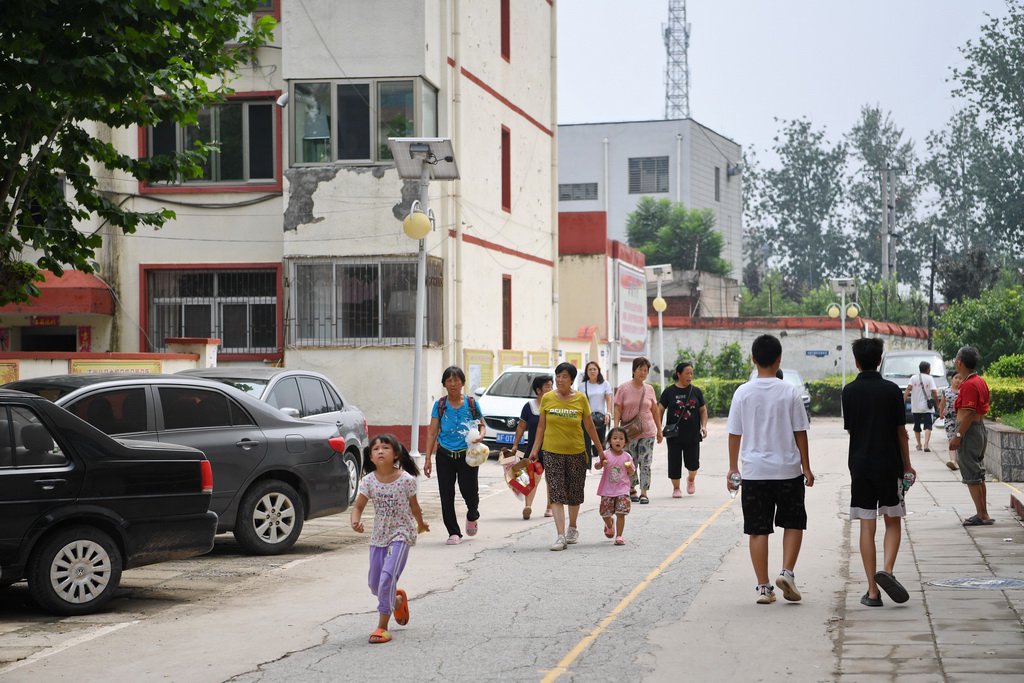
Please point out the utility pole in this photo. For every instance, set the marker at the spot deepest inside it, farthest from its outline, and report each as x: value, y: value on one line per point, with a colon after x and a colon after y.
x: 887, y: 222
x: 931, y: 289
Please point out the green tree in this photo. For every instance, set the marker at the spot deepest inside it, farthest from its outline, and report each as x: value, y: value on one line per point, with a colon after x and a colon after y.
x: 992, y: 83
x: 667, y: 232
x: 68, y: 67
x: 796, y: 208
x: 955, y: 172
x: 731, y: 362
x: 994, y: 323
x: 966, y: 276
x: 876, y: 143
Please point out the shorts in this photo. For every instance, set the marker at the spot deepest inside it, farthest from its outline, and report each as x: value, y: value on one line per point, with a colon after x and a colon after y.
x: 567, y: 476
x: 878, y: 494
x: 614, y: 505
x: 924, y: 419
x: 971, y: 454
x: 681, y: 454
x: 768, y: 499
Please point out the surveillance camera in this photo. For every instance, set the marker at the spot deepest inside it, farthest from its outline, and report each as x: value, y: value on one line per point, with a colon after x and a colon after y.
x: 282, y: 100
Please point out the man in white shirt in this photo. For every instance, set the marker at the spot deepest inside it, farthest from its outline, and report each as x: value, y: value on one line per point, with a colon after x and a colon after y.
x: 921, y: 390
x: 768, y: 446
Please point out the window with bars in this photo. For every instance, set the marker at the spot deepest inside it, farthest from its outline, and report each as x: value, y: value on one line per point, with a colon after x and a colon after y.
x: 573, y: 192
x: 648, y: 175
x: 239, y: 307
x: 244, y: 134
x: 362, y: 301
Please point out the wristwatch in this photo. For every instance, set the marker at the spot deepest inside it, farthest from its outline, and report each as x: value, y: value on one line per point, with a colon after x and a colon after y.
x: 958, y: 435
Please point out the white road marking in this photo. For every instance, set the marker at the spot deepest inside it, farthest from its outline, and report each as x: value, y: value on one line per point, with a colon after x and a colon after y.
x: 67, y: 645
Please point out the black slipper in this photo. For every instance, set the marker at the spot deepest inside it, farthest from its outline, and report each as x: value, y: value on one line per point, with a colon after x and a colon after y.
x: 893, y: 588
x: 871, y: 602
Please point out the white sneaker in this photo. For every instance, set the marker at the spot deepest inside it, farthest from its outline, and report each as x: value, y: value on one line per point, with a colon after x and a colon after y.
x: 765, y: 595
x: 572, y: 535
x: 787, y: 583
x: 559, y: 544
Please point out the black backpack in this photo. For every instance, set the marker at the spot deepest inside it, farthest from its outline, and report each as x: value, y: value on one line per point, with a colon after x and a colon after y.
x: 442, y: 405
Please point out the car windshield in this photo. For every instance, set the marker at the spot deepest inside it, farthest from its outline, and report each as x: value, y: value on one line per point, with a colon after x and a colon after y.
x: 905, y: 366
x: 513, y: 385
x: 793, y: 377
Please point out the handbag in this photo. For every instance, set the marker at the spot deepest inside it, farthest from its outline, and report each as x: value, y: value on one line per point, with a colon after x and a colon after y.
x: 930, y: 402
x: 672, y: 431
x: 634, y: 426
x: 599, y: 418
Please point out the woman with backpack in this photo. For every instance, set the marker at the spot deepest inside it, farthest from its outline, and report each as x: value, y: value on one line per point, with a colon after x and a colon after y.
x: 450, y: 420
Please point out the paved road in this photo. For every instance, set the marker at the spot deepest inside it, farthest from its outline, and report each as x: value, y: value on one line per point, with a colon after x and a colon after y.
x: 676, y: 603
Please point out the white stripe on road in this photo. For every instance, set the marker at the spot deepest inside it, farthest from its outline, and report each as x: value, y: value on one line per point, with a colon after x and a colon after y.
x: 84, y: 638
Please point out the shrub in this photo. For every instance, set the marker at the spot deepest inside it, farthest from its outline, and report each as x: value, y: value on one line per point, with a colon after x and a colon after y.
x: 730, y: 363
x: 826, y: 395
x: 1011, y: 365
x: 718, y: 393
x: 1006, y: 395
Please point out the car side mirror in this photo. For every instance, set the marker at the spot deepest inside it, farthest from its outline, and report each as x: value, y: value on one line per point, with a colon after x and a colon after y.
x: 479, y: 391
x: 290, y: 412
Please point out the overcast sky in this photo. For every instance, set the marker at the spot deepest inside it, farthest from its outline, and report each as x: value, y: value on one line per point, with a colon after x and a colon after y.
x: 752, y: 61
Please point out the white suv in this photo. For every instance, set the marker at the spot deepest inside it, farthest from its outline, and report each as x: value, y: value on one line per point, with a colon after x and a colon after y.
x: 503, y: 401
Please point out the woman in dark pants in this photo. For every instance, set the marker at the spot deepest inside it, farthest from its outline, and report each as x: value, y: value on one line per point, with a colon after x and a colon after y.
x: 599, y: 392
x: 450, y: 420
x: 686, y: 425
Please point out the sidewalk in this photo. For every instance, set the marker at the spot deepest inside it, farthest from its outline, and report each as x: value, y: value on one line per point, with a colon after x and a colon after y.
x: 943, y: 633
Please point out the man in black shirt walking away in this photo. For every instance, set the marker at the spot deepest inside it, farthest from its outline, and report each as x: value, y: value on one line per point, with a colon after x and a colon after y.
x: 873, y: 414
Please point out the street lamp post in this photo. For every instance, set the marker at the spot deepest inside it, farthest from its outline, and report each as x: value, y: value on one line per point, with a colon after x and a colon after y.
x: 841, y: 286
x: 661, y: 273
x: 422, y: 159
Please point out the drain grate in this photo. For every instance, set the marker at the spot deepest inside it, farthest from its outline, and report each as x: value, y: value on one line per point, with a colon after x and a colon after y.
x: 979, y: 584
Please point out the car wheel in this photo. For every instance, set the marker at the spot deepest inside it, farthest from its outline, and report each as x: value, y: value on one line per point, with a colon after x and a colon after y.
x: 270, y: 518
x: 352, y: 464
x: 75, y: 571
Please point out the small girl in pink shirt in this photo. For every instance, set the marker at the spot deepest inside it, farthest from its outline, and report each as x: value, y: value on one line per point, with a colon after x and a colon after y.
x: 614, y: 487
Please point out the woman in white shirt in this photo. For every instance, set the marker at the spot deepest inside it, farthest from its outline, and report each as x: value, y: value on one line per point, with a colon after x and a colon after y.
x: 599, y: 392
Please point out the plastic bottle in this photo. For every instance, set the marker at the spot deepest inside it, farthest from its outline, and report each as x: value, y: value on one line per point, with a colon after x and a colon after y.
x: 908, y: 481
x: 734, y: 484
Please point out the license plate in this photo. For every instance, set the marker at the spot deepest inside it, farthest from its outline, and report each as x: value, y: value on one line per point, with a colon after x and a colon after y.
x: 504, y: 438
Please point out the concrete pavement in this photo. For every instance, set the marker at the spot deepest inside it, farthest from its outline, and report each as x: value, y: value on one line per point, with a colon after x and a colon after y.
x: 943, y: 633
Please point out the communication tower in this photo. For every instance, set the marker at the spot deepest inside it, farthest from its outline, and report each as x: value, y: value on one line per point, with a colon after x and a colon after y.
x: 677, y: 68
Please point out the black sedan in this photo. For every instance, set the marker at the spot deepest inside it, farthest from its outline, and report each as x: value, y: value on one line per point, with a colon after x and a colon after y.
x: 77, y: 507
x: 304, y: 394
x: 272, y: 472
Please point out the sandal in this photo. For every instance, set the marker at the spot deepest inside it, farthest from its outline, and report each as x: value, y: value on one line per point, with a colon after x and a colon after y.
x: 527, y: 511
x: 619, y: 540
x: 380, y: 636
x: 644, y: 500
x: 609, y: 532
x: 401, y: 607
x: 975, y: 520
x: 951, y: 465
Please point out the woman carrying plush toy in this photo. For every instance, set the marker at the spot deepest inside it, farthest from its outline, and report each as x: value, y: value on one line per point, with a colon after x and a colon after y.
x: 528, y: 421
x: 450, y: 420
